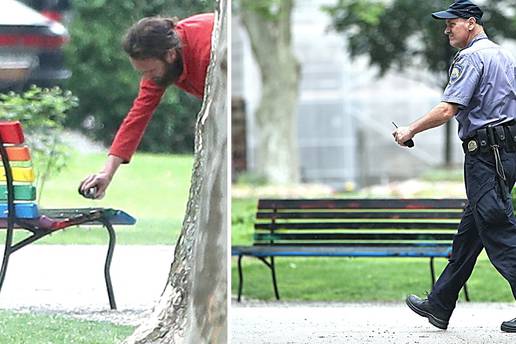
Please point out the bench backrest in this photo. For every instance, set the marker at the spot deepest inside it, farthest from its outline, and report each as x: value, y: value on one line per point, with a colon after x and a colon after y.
x: 367, y: 222
x: 17, y: 191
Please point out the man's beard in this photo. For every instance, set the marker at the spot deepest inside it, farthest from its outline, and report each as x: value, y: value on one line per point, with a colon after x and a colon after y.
x: 172, y: 71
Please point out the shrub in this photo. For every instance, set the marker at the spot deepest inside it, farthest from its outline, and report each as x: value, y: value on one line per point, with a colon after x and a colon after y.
x: 42, y: 113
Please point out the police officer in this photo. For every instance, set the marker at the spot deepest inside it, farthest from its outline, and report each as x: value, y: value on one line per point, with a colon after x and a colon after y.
x: 481, y: 94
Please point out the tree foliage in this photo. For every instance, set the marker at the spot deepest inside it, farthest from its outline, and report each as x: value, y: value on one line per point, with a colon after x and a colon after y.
x: 105, y: 82
x: 401, y: 33
x: 42, y: 113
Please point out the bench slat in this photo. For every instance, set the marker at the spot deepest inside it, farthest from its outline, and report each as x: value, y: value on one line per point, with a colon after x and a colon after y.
x: 115, y: 216
x: 361, y: 204
x: 23, y: 210
x: 44, y: 221
x: 362, y: 251
x: 20, y: 174
x: 21, y: 193
x: 11, y: 133
x: 18, y: 153
x: 360, y: 215
x: 356, y: 244
x: 356, y: 225
x: 354, y: 236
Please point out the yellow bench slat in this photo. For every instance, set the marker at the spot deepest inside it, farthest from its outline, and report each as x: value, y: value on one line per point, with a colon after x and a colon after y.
x: 20, y: 174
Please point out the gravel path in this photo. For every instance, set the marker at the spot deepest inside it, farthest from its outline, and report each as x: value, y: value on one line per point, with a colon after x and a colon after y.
x: 69, y: 279
x: 361, y: 323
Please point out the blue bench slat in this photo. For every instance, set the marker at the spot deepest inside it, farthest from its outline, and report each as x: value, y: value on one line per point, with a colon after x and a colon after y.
x: 364, y: 251
x: 31, y: 211
x: 122, y: 218
x: 23, y: 210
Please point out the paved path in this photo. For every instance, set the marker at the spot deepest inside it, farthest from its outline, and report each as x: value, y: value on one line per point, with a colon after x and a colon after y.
x: 70, y: 279
x: 361, y: 323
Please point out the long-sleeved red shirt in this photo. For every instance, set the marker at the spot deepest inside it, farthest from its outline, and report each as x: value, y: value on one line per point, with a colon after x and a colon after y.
x: 195, y: 35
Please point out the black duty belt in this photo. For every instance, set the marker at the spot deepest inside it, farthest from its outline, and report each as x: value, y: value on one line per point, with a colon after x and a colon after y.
x: 493, y: 139
x: 504, y: 136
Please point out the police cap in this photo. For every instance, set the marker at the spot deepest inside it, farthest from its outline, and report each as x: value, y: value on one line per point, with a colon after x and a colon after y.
x: 460, y: 9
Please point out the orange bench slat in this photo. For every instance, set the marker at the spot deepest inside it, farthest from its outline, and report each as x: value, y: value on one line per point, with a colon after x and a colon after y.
x: 18, y: 153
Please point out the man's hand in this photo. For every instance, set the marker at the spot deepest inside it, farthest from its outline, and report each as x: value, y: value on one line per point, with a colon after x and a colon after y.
x: 98, y: 182
x: 402, y: 134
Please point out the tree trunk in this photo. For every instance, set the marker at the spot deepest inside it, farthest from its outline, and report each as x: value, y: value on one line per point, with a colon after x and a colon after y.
x: 270, y: 34
x: 193, y: 307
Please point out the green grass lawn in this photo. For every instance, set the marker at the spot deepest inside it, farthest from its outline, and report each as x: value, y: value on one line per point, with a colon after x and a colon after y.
x: 348, y: 279
x: 22, y: 328
x: 153, y: 188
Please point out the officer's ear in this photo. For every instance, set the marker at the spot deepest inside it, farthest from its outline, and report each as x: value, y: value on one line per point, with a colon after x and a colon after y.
x: 471, y: 23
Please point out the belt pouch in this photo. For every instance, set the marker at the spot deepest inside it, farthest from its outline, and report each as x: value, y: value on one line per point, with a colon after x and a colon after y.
x: 511, y: 138
x: 482, y: 140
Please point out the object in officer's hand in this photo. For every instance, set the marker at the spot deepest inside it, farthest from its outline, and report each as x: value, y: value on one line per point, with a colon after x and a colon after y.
x: 90, y: 193
x: 408, y: 143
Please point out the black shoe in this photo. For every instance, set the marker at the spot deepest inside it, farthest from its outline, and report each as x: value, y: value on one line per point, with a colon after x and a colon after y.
x: 425, y: 309
x: 509, y: 326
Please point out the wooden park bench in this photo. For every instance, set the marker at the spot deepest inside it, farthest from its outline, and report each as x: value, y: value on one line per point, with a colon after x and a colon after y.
x: 19, y: 211
x: 352, y: 228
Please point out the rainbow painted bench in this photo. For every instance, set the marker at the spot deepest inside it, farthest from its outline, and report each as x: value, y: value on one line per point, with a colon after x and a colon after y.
x: 18, y: 209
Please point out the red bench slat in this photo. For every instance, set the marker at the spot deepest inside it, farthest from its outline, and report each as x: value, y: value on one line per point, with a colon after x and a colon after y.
x: 11, y: 132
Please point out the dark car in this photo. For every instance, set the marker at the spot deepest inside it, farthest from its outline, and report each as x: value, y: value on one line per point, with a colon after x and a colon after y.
x: 30, y: 48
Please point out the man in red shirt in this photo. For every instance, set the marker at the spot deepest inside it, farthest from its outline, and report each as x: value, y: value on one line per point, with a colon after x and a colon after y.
x: 165, y: 53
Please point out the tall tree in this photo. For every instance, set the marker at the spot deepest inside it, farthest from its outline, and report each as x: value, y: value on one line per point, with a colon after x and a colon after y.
x: 400, y: 34
x: 268, y: 23
x: 192, y: 308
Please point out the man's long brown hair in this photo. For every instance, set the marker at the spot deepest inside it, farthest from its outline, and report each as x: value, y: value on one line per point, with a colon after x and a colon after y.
x: 151, y: 37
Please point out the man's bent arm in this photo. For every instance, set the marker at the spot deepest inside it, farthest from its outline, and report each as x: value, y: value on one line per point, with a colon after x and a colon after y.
x: 133, y: 126
x: 434, y: 118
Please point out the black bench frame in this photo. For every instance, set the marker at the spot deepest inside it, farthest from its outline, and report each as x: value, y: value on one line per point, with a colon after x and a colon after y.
x: 73, y: 217
x: 275, y: 216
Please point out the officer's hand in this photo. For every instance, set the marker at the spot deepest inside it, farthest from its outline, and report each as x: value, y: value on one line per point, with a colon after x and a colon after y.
x: 95, y: 182
x: 402, y: 134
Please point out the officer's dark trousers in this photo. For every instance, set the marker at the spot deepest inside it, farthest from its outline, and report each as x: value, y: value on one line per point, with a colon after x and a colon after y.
x: 488, y: 222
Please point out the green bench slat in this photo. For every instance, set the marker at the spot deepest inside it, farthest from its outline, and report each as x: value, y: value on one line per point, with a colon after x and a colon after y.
x: 354, y: 236
x: 21, y: 193
x: 361, y: 204
x: 357, y: 244
x: 356, y: 225
x: 396, y: 215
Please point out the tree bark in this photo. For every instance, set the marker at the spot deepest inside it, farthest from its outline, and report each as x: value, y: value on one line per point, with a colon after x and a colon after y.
x: 271, y: 42
x: 193, y: 306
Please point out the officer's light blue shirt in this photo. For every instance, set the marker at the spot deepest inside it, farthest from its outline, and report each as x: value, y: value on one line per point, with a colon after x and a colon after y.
x: 482, y: 83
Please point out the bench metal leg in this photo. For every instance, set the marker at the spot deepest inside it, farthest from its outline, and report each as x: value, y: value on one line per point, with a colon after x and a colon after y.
x: 107, y: 265
x: 432, y: 272
x: 274, y: 283
x: 273, y: 273
x: 466, y: 294
x: 7, y: 254
x: 240, y: 278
